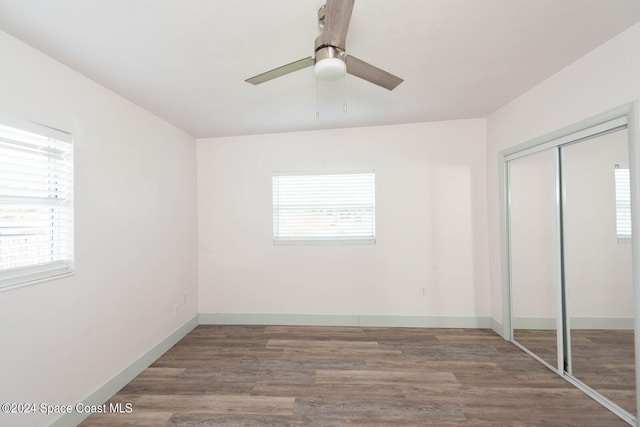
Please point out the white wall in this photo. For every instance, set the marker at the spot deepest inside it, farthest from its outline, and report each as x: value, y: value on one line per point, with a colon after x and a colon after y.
x: 135, y: 239
x: 602, y: 80
x: 431, y: 224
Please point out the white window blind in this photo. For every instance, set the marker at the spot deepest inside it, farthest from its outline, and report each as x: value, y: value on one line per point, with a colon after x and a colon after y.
x: 623, y: 203
x: 36, y: 208
x: 324, y: 208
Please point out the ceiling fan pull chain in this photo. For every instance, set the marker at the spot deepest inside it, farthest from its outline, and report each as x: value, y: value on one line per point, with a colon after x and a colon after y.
x: 317, y: 102
x: 344, y: 92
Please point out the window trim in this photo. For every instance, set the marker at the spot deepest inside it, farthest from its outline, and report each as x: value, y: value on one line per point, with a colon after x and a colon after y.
x: 16, y: 277
x: 624, y: 226
x: 329, y: 241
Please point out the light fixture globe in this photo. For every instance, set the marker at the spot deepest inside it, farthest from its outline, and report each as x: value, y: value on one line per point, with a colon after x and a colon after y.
x: 330, y: 65
x: 330, y: 69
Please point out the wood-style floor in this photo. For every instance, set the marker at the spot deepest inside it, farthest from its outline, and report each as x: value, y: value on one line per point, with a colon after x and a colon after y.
x: 339, y: 376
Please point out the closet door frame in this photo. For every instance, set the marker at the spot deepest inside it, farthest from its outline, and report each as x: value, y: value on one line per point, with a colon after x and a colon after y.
x: 618, y: 118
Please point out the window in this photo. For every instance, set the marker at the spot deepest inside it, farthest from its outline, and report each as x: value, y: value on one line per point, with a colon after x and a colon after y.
x: 332, y: 208
x: 623, y: 203
x: 36, y: 209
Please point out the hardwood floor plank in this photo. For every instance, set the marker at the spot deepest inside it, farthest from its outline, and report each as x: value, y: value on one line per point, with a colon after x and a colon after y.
x: 317, y: 332
x: 346, y: 354
x: 336, y: 391
x: 160, y: 374
x: 136, y: 418
x: 372, y: 377
x: 413, y: 363
x: 255, y: 375
x: 213, y: 404
x: 383, y: 411
x: 323, y: 345
x: 235, y: 420
x: 210, y: 362
x: 302, y: 362
x: 189, y: 387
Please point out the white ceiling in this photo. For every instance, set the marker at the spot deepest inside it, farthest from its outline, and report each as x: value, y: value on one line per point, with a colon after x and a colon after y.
x: 186, y: 60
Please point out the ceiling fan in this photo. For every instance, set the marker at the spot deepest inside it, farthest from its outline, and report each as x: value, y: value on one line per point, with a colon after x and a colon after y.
x: 331, y: 61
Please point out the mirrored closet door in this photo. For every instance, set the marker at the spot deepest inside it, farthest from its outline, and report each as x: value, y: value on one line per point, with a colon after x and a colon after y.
x: 534, y: 272
x: 598, y: 272
x: 570, y: 263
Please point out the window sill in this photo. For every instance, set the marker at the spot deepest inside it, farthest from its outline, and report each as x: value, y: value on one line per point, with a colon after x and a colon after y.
x: 324, y: 242
x: 36, y: 281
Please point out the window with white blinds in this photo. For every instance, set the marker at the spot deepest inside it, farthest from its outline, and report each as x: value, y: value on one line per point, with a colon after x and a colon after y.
x: 36, y: 204
x: 330, y: 208
x: 623, y: 203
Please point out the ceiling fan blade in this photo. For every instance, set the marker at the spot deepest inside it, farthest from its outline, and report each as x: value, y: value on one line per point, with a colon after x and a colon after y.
x: 368, y: 72
x: 336, y: 22
x: 281, y: 71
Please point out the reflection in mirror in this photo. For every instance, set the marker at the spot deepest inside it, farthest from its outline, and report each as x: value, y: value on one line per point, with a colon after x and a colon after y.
x: 533, y: 237
x: 597, y: 266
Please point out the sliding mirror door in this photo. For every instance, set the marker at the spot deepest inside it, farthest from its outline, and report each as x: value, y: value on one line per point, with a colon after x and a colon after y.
x: 598, y: 266
x: 571, y: 270
x: 533, y: 237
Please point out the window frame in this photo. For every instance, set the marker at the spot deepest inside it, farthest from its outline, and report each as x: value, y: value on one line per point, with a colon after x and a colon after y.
x: 624, y: 225
x: 331, y: 240
x: 58, y: 267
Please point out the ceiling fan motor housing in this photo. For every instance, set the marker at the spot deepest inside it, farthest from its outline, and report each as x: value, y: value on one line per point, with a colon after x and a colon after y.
x: 324, y: 52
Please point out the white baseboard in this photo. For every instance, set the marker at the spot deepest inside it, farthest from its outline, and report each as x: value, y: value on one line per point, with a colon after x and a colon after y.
x: 601, y: 323
x: 538, y: 323
x: 608, y: 323
x: 113, y: 385
x: 343, y: 320
x: 497, y: 327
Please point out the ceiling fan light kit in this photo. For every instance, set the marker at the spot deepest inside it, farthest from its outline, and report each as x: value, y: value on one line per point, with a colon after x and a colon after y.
x: 331, y: 61
x: 329, y: 66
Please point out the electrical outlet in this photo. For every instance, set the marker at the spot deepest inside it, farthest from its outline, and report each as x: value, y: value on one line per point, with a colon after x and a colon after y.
x: 184, y: 298
x: 423, y: 292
